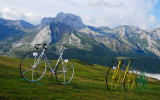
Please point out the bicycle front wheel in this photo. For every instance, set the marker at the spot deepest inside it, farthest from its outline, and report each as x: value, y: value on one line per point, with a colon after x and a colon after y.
x: 129, y: 81
x: 139, y: 81
x: 112, y: 78
x: 64, y: 71
x: 145, y: 81
x: 33, y: 66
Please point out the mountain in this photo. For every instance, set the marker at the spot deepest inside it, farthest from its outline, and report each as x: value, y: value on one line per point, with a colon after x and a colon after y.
x: 88, y: 43
x: 125, y: 40
x: 71, y: 20
x: 51, y: 33
x: 14, y: 28
x: 46, y: 21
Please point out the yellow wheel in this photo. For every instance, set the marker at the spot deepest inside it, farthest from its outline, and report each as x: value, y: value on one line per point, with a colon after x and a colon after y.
x: 129, y: 81
x: 112, y: 78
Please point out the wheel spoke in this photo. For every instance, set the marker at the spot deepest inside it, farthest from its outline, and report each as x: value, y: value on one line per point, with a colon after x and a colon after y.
x: 41, y: 61
x: 66, y: 64
x: 28, y: 62
x: 26, y: 71
x: 38, y: 69
x: 60, y: 75
x: 69, y: 67
x: 32, y: 74
x: 32, y: 68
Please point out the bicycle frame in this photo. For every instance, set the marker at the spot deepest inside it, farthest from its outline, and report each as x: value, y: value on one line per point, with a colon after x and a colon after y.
x: 43, y: 54
x: 117, y: 71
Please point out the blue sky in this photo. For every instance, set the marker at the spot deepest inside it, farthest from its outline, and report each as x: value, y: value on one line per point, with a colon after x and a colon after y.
x: 112, y: 13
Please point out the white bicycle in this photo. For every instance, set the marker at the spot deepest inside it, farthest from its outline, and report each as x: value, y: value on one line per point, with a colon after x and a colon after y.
x: 34, y: 64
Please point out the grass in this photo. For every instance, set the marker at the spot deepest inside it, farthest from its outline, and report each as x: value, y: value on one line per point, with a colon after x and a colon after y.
x: 88, y: 83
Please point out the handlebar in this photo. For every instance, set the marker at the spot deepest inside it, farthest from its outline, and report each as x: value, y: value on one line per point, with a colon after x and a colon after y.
x: 120, y: 59
x: 44, y: 46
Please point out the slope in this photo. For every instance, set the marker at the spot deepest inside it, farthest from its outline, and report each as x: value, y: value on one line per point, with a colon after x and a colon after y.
x: 88, y: 83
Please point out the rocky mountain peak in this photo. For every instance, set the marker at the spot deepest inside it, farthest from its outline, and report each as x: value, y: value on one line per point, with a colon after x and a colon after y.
x: 155, y: 33
x: 127, y: 28
x: 72, y: 20
x: 46, y: 21
x: 16, y: 23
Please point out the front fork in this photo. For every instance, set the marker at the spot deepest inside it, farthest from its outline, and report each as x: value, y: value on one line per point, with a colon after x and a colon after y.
x: 36, y: 61
x: 117, y: 72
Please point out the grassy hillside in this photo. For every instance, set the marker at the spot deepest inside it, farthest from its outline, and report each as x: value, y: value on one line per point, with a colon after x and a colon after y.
x: 88, y: 83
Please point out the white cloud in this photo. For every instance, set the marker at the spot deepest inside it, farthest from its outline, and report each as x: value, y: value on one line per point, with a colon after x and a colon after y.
x: 110, y: 13
x: 13, y: 14
x: 124, y: 12
x: 105, y: 3
x: 9, y: 13
x: 152, y: 19
x: 89, y: 20
x: 31, y: 17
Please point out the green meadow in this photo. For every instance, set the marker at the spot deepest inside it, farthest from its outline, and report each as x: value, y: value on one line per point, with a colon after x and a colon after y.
x: 88, y: 83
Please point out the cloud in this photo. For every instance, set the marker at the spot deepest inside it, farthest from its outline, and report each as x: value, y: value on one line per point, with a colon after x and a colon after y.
x: 31, y: 17
x: 110, y: 13
x: 104, y: 3
x: 13, y: 14
x: 152, y: 19
x: 113, y: 13
x: 9, y: 13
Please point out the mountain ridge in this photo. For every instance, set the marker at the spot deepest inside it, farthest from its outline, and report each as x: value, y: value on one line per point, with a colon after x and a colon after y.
x: 122, y: 37
x: 83, y: 40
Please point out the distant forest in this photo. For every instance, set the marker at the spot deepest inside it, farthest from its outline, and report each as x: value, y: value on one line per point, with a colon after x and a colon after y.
x: 99, y: 56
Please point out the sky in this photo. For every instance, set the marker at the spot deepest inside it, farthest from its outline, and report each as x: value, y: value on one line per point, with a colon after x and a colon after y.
x: 144, y: 14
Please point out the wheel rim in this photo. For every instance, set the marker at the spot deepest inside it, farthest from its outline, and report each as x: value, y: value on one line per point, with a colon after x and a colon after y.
x: 112, y: 78
x: 139, y: 81
x: 31, y: 71
x: 129, y: 81
x: 64, y: 71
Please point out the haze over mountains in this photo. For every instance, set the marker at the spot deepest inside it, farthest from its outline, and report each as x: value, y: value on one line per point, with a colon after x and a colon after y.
x: 88, y: 43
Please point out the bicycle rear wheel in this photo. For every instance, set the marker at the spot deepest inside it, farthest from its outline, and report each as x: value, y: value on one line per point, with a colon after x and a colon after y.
x: 112, y: 78
x: 129, y: 81
x: 64, y: 71
x: 31, y: 68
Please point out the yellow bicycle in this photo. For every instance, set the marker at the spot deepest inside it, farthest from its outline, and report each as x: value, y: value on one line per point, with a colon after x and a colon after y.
x: 116, y: 76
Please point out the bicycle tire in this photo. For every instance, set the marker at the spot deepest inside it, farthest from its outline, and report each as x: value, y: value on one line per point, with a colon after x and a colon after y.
x: 139, y: 82
x: 145, y: 81
x: 64, y: 71
x: 129, y: 81
x: 28, y: 70
x: 112, y: 78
